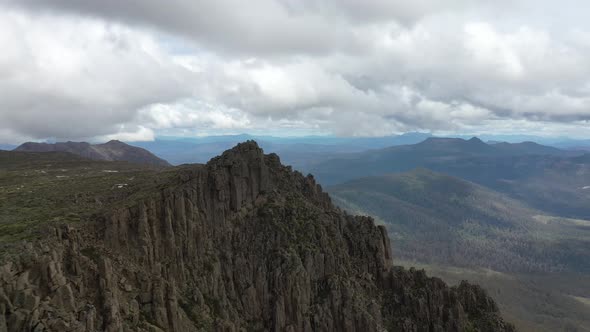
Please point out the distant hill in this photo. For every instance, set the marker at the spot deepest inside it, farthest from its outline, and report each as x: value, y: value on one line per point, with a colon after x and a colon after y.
x: 581, y: 148
x: 572, y: 144
x: 7, y: 147
x: 441, y: 145
x: 529, y: 148
x: 433, y: 152
x: 552, y: 183
x: 111, y: 151
x: 475, y: 146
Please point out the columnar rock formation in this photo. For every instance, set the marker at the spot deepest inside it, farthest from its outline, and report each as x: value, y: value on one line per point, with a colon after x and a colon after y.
x: 239, y: 244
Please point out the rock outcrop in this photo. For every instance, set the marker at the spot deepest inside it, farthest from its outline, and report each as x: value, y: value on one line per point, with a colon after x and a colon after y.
x: 110, y: 151
x: 239, y: 244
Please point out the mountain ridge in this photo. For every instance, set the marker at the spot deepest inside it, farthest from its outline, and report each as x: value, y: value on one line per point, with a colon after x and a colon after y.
x: 112, y: 150
x: 527, y: 177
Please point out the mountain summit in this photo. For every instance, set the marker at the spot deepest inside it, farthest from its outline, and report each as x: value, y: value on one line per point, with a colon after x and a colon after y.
x: 241, y: 243
x: 455, y: 145
x: 111, y: 151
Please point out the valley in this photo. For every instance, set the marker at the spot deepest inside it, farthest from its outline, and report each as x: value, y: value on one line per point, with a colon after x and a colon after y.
x: 535, y: 265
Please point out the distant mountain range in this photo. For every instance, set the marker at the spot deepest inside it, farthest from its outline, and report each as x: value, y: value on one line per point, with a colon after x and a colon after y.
x: 111, y: 151
x: 531, y: 148
x: 304, y: 152
x: 299, y: 152
x: 432, y: 152
x: 545, y: 178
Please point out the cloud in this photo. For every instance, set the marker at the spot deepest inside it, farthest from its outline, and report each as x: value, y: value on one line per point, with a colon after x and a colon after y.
x: 190, y: 114
x: 128, y: 134
x: 264, y: 26
x: 79, y: 78
x: 255, y: 27
x: 137, y: 69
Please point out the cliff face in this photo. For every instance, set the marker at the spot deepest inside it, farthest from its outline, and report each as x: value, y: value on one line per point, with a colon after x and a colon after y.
x: 240, y: 244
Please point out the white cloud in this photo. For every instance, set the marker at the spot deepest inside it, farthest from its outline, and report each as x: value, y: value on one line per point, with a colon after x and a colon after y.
x: 490, y: 50
x: 129, y: 134
x: 98, y: 69
x: 190, y: 114
x: 79, y: 77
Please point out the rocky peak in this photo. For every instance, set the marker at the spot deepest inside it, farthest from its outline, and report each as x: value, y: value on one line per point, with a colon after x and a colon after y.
x: 243, y: 155
x: 114, y: 142
x: 476, y: 140
x: 241, y: 243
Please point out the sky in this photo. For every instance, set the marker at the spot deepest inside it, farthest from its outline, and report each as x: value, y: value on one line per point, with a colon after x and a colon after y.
x: 135, y: 70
